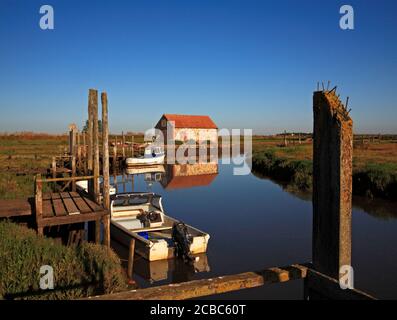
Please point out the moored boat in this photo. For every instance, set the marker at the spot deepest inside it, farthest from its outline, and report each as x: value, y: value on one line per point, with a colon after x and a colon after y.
x: 140, y: 216
x: 153, y: 156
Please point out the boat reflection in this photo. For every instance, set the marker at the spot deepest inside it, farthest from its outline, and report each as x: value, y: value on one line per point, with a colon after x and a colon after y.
x: 170, y: 270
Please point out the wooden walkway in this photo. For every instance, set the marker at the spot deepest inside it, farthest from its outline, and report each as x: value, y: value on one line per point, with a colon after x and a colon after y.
x: 16, y: 208
x: 67, y: 208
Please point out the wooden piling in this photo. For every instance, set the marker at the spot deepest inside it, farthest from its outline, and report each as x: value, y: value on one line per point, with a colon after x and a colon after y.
x: 123, y: 144
x: 73, y: 172
x: 84, y: 153
x: 332, y: 184
x: 54, y: 167
x: 96, y: 148
x: 105, y: 167
x: 91, y: 101
x: 38, y: 201
x: 115, y: 154
x: 130, y: 269
x: 72, y: 139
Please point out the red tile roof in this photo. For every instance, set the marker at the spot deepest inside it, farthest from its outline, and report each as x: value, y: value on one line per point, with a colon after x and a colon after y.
x: 190, y: 121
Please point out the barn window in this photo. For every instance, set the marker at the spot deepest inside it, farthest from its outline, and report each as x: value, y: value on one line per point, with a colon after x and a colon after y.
x: 163, y: 123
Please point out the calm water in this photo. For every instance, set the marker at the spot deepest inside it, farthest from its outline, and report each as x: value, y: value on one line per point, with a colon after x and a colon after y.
x: 255, y: 224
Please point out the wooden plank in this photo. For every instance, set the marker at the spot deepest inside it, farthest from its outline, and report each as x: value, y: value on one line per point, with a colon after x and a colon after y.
x: 66, y: 179
x: 55, y: 195
x: 92, y: 204
x: 15, y: 208
x: 80, y: 203
x: 206, y: 287
x: 57, y: 203
x: 48, y: 210
x: 70, y: 219
x: 70, y: 206
x: 47, y: 196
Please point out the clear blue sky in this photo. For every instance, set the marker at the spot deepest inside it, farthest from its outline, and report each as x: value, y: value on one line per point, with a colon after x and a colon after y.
x: 247, y: 64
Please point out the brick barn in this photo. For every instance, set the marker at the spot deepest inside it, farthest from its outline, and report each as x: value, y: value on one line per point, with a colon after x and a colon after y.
x: 188, y: 127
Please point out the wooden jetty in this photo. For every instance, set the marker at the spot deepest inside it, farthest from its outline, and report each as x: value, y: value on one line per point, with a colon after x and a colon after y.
x: 60, y: 208
x: 63, y: 205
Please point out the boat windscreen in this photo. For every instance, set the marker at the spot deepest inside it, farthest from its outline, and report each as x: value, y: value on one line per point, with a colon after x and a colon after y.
x: 128, y: 201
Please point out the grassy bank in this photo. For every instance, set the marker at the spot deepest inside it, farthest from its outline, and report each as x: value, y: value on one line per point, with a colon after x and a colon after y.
x: 78, y: 271
x: 374, y: 174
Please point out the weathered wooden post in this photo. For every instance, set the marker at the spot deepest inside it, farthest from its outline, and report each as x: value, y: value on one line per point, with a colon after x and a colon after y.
x: 285, y: 138
x: 54, y: 167
x: 91, y: 101
x: 96, y: 164
x: 123, y: 144
x: 96, y: 149
x: 105, y: 168
x: 85, y: 163
x: 73, y: 151
x: 132, y: 146
x: 38, y: 202
x: 73, y: 172
x: 78, y: 155
x: 115, y: 154
x: 332, y: 185
x: 72, y: 139
x: 130, y: 268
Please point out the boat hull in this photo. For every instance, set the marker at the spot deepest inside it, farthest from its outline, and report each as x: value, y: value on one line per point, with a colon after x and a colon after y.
x: 139, y: 162
x: 159, y: 250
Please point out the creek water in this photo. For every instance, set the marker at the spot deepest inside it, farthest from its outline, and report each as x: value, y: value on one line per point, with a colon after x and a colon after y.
x: 255, y: 224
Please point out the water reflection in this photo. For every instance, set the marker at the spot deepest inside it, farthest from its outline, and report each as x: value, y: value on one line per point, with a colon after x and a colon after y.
x: 378, y: 208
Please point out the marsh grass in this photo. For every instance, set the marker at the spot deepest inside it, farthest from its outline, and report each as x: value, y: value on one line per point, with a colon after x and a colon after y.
x: 78, y: 271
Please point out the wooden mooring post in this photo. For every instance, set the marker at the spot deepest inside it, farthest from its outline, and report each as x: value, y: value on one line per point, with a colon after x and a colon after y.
x: 332, y: 187
x: 105, y: 168
x: 96, y: 148
x: 131, y: 254
x: 91, y: 100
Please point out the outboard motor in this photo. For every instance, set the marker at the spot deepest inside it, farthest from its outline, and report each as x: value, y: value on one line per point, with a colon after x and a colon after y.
x: 182, y: 240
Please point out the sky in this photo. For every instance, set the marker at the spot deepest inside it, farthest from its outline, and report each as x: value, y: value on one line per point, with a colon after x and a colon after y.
x: 247, y: 64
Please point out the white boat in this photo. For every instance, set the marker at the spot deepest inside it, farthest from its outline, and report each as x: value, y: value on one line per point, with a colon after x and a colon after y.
x: 140, y: 216
x: 83, y: 186
x: 152, y: 156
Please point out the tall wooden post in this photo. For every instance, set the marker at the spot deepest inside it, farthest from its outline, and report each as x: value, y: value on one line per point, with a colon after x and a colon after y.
x: 54, y: 167
x: 38, y: 202
x: 72, y: 139
x: 96, y: 148
x: 123, y: 144
x: 73, y: 173
x: 131, y: 254
x: 90, y: 142
x: 332, y: 184
x: 105, y: 167
x: 84, y: 156
x: 285, y: 138
x: 78, y: 152
x: 115, y: 154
